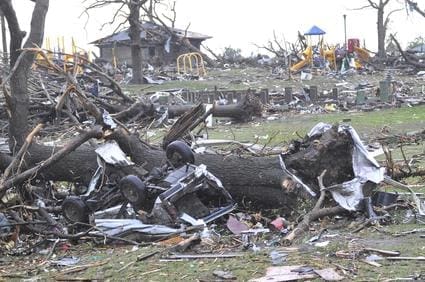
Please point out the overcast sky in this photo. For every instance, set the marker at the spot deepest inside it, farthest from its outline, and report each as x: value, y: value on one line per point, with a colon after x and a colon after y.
x: 238, y: 23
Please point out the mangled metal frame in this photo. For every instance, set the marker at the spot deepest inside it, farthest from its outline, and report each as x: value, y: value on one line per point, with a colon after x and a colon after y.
x: 195, y: 178
x: 188, y: 179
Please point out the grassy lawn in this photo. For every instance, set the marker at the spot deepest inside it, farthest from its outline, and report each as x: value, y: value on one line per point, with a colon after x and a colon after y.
x: 367, y: 124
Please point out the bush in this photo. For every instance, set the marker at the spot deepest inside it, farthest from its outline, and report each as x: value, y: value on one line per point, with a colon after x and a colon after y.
x: 232, y: 55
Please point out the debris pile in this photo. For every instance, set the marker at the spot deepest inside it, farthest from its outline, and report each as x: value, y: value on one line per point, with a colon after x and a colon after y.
x: 186, y: 197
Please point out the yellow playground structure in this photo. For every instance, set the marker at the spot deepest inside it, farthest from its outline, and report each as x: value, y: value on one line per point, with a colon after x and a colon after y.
x: 191, y: 63
x: 69, y: 60
x: 327, y: 55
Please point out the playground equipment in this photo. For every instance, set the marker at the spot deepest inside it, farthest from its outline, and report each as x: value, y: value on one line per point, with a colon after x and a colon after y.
x: 327, y: 54
x: 191, y: 63
x: 360, y: 55
x: 69, y: 61
x: 308, y: 59
x: 330, y: 56
x: 363, y: 54
x: 355, y: 56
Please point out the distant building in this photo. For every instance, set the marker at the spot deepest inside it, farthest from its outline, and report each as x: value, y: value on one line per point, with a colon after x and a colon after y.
x: 418, y: 49
x: 158, y: 47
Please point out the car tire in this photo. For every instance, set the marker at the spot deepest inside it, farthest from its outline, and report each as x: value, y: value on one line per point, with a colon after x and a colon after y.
x: 75, y: 210
x: 179, y: 153
x: 133, y: 189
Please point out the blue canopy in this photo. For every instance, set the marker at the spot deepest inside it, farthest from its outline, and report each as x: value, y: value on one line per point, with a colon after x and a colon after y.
x: 314, y: 30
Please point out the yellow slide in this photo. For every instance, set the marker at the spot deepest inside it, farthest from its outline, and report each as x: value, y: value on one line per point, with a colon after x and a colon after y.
x: 308, y: 56
x: 363, y: 54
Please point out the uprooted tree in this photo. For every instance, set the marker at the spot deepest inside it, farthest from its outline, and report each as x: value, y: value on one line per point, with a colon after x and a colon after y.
x: 249, y: 178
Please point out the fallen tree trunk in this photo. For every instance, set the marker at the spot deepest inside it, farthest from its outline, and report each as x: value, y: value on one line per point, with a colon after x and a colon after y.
x: 331, y: 151
x: 255, y: 179
x: 248, y: 179
x: 136, y: 109
x: 410, y: 59
x: 243, y: 111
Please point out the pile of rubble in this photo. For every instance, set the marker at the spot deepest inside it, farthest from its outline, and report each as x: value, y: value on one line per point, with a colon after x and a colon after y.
x: 183, y: 195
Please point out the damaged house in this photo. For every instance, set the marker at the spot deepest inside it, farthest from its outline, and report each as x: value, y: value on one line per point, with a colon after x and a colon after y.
x: 158, y: 47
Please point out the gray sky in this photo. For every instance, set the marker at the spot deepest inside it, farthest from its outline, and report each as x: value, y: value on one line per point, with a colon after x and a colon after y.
x: 237, y: 23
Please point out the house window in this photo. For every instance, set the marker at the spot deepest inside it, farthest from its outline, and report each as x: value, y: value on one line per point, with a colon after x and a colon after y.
x: 151, y: 51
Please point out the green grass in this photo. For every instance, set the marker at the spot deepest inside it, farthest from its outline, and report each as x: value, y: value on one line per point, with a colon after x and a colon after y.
x: 368, y: 124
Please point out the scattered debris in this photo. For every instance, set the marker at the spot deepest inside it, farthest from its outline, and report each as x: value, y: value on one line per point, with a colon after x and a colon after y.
x: 226, y: 275
x: 178, y: 198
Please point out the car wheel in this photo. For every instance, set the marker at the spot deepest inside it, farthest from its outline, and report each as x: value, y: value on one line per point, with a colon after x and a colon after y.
x: 133, y: 189
x: 179, y: 153
x: 75, y: 210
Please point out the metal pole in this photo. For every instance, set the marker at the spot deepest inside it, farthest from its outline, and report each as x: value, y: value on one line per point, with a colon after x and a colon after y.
x: 345, y: 31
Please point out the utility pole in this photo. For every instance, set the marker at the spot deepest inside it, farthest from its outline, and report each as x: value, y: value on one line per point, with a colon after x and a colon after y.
x: 3, y: 37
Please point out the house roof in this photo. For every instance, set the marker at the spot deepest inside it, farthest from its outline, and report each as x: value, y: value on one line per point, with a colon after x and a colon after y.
x: 148, y: 28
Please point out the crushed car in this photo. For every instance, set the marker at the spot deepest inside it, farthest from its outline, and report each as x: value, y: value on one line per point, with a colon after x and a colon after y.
x: 178, y: 192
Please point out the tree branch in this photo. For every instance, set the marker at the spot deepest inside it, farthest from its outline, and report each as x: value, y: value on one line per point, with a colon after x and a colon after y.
x: 373, y: 4
x: 16, y: 34
x: 414, y: 6
x: 387, y: 19
x: 71, y: 146
x: 406, y: 56
x: 315, y: 213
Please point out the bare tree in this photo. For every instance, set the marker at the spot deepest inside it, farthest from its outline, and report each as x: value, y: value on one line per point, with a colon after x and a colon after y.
x: 130, y: 9
x: 382, y: 22
x: 414, y: 6
x: 18, y: 100
x: 183, y: 40
x: 275, y: 47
